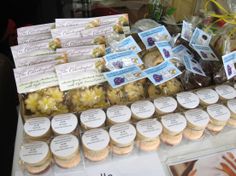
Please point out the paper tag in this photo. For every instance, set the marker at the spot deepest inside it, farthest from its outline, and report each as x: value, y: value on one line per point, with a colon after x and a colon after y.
x: 218, y: 112
x: 174, y: 122
x: 64, y: 123
x: 108, y: 50
x: 33, y: 38
x: 96, y: 139
x: 197, y: 117
x: 67, y: 32
x: 187, y: 31
x: 226, y: 91
x: 193, y: 65
x: 149, y: 128
x: 124, y: 76
x: 231, y: 104
x: 180, y: 51
x: 165, y: 104
x: 101, y: 30
x: 162, y: 73
x: 122, y: 59
x: 35, y: 29
x: 64, y: 145
x: 34, y: 152
x: 205, y: 52
x: 35, y: 77
x: 119, y: 113
x: 153, y: 35
x: 123, y: 134
x: 200, y: 37
x: 93, y: 118
x: 188, y: 100
x: 143, y: 109
x: 229, y: 61
x: 37, y: 127
x: 79, y: 74
x: 208, y: 96
x: 165, y: 49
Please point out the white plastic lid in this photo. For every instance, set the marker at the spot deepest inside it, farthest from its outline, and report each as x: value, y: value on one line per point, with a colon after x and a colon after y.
x: 174, y: 122
x: 34, y: 152
x: 37, y: 127
x: 218, y: 112
x: 64, y: 145
x: 149, y: 128
x: 165, y: 104
x: 143, y: 109
x: 197, y: 117
x: 119, y: 113
x: 96, y: 139
x: 225, y: 91
x: 208, y: 96
x: 93, y: 118
x: 232, y: 105
x: 188, y: 100
x: 64, y: 123
x: 122, y: 134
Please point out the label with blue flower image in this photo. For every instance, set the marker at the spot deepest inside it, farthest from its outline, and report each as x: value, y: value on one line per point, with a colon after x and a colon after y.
x: 165, y: 49
x: 162, y: 73
x: 153, y: 35
x: 205, y: 52
x: 229, y: 61
x: 200, y: 37
x: 180, y: 51
x: 124, y: 76
x: 193, y: 66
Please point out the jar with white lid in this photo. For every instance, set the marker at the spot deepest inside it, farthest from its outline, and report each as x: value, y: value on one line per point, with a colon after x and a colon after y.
x: 231, y: 104
x: 165, y: 105
x: 207, y: 96
x: 118, y: 114
x: 226, y: 92
x: 142, y: 109
x: 187, y: 100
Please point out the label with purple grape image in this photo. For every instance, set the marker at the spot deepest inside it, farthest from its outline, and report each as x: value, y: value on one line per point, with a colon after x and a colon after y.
x: 162, y: 73
x: 193, y: 66
x: 124, y: 76
x: 205, y: 52
x: 200, y: 37
x: 149, y: 37
x: 187, y: 31
x: 229, y: 61
x: 165, y: 49
x: 119, y: 60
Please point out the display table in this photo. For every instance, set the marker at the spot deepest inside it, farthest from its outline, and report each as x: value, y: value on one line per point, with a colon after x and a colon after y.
x: 139, y: 163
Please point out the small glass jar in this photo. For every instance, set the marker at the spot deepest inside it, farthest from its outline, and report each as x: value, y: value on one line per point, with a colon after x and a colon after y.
x: 231, y: 104
x: 207, y: 97
x: 165, y: 105
x: 225, y: 92
x: 143, y: 109
x: 118, y: 114
x: 188, y: 100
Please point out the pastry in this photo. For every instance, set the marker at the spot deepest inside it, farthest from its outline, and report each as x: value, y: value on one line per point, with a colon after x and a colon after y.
x: 65, y: 150
x: 122, y: 138
x: 187, y: 100
x: 152, y: 58
x: 148, y: 132
x: 134, y: 91
x: 165, y: 105
x: 95, y: 144
x: 225, y: 92
x: 116, y: 95
x: 118, y: 114
x: 207, y: 96
x: 142, y: 109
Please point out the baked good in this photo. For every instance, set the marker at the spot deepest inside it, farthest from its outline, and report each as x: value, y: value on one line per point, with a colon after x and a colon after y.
x: 225, y: 92
x: 116, y: 95
x: 122, y: 138
x: 165, y: 105
x: 148, y: 132
x: 142, y: 109
x: 134, y: 91
x: 152, y: 58
x: 187, y: 100
x: 207, y: 96
x: 118, y: 114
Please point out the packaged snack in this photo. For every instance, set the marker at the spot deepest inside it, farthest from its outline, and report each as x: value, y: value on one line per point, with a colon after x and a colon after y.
x: 231, y: 104
x: 116, y: 95
x: 207, y: 96
x: 165, y: 105
x: 122, y: 138
x: 65, y: 150
x: 148, y: 132
x: 225, y: 92
x: 118, y: 114
x: 95, y: 144
x: 188, y: 100
x: 142, y: 109
x: 152, y: 58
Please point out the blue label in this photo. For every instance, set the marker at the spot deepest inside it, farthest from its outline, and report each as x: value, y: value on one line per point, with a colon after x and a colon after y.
x: 205, y: 52
x: 153, y: 35
x: 165, y: 49
x: 180, y: 51
x: 128, y: 44
x: 124, y: 76
x: 200, y: 37
x: 229, y: 61
x: 162, y: 73
x: 108, y: 50
x: 193, y: 66
x: 187, y: 31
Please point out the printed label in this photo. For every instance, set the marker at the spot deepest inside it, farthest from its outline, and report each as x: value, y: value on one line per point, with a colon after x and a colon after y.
x: 174, y: 122
x: 79, y: 74
x: 123, y: 134
x: 193, y: 66
x: 153, y: 35
x: 124, y: 76
x: 188, y: 100
x: 187, y: 31
x: 165, y: 104
x: 208, y: 96
x: 37, y: 127
x: 226, y: 91
x: 218, y: 112
x: 231, y: 104
x: 162, y: 73
x: 229, y: 61
x: 205, y: 52
x: 119, y: 113
x: 33, y: 38
x: 122, y: 59
x: 180, y: 51
x: 64, y: 123
x: 102, y: 30
x: 93, y: 118
x: 197, y: 117
x: 64, y: 145
x: 149, y: 128
x: 142, y: 109
x: 35, y: 77
x: 165, y: 49
x: 34, y: 152
x: 200, y: 37
x: 96, y: 139
x: 67, y: 32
